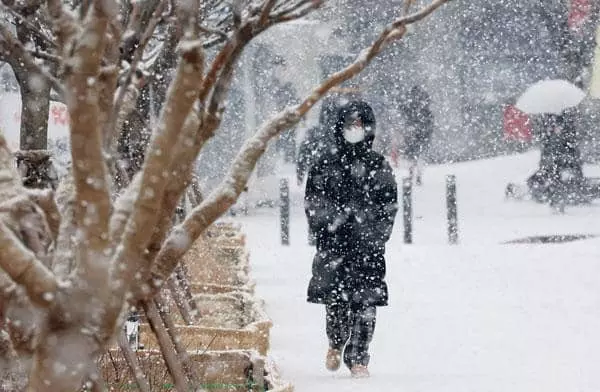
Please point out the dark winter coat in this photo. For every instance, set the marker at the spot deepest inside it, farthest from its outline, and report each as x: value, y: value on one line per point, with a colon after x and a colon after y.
x: 559, y: 143
x: 318, y: 139
x: 419, y: 123
x: 350, y: 203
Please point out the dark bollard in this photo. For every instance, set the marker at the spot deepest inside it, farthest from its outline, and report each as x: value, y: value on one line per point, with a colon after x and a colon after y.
x: 451, y: 207
x: 284, y: 192
x: 407, y: 209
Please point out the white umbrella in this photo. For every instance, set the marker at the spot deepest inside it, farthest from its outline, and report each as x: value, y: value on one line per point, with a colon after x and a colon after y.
x: 550, y: 96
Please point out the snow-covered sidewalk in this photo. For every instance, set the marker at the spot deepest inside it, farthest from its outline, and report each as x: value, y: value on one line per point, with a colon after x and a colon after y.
x: 480, y: 316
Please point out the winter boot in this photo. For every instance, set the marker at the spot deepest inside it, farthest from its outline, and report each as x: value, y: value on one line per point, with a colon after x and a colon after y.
x: 333, y: 359
x: 359, y: 371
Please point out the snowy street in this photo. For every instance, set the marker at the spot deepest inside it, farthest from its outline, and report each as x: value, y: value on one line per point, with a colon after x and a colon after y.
x: 479, y: 316
x: 157, y: 158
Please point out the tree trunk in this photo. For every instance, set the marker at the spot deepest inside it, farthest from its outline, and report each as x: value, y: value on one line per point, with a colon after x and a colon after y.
x: 35, y: 101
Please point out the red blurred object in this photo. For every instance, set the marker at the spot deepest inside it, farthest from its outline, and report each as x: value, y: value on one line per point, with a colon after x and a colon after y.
x: 579, y: 11
x: 517, y: 125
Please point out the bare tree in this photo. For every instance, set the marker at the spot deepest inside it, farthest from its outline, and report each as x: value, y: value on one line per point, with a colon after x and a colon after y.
x: 73, y: 262
x: 35, y: 90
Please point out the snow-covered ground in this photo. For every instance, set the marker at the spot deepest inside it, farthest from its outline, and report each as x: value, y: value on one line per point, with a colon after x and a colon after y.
x: 478, y: 316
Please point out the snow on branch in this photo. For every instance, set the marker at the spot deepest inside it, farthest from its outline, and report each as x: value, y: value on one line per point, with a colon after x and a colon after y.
x: 182, y: 95
x: 15, y: 51
x: 193, y: 137
x: 242, y: 36
x: 38, y: 32
x: 112, y: 127
x: 21, y: 265
x: 216, y: 82
x: 419, y: 15
x: 220, y: 200
x: 20, y: 217
x: 90, y: 174
x: 44, y: 199
x: 296, y: 11
x: 395, y: 30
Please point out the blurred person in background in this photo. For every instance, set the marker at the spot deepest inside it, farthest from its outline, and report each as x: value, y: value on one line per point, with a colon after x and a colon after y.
x: 419, y: 122
x: 318, y: 139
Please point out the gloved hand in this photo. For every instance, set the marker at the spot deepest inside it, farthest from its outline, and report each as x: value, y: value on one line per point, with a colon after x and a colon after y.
x: 343, y: 217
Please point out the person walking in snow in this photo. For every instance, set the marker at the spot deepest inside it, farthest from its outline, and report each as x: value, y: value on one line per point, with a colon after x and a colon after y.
x: 318, y: 139
x: 560, y: 173
x: 420, y: 125
x: 350, y: 203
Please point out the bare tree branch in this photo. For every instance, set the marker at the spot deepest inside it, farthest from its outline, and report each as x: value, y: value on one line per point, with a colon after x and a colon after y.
x: 227, y: 193
x: 25, y: 7
x: 45, y: 56
x: 188, y: 146
x: 90, y: 174
x: 133, y: 363
x: 19, y: 215
x: 107, y: 79
x: 228, y: 55
x: 44, y: 198
x: 23, y: 318
x: 24, y: 268
x: 63, y: 260
x: 167, y: 349
x: 182, y: 353
x: 165, y: 61
x: 132, y: 31
x: 123, y: 208
x: 154, y: 179
x: 196, y: 133
x: 118, y: 249
x: 266, y: 10
x: 111, y: 129
x: 129, y: 93
x: 17, y: 52
x: 180, y: 301
x: 395, y: 30
x: 419, y: 15
x: 295, y: 11
x: 107, y: 84
x: 194, y: 194
x: 221, y: 34
x: 35, y: 30
x: 65, y: 26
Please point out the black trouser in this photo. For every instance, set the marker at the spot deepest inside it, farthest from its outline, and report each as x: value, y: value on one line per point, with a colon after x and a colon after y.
x: 351, y: 326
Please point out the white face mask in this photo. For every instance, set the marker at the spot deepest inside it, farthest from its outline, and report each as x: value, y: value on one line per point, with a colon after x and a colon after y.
x: 354, y: 134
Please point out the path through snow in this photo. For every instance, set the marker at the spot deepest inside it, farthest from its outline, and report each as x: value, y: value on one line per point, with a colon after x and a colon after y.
x: 480, y: 316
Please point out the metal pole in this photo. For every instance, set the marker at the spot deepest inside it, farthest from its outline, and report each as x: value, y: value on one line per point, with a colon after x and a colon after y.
x: 284, y: 192
x: 407, y: 209
x: 451, y: 207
